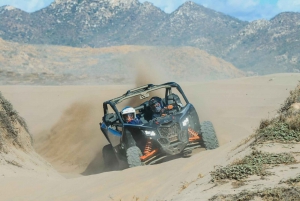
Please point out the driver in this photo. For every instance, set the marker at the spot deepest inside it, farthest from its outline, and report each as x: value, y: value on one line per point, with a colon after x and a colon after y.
x: 157, y: 106
x: 129, y: 116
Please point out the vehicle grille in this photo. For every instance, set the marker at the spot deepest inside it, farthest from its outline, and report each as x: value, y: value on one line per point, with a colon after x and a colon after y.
x: 171, y: 132
x: 163, y: 141
x: 183, y: 136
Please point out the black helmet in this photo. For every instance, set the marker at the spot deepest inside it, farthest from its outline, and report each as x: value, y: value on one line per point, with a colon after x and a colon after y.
x: 156, y: 104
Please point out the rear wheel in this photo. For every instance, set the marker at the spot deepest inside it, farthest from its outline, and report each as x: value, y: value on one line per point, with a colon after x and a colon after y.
x: 109, y: 157
x: 133, y: 156
x: 209, y: 137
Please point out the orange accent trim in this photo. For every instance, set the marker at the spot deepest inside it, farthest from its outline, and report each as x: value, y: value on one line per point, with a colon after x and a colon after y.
x: 193, y: 135
x: 148, y: 147
x: 148, y: 155
x: 170, y: 107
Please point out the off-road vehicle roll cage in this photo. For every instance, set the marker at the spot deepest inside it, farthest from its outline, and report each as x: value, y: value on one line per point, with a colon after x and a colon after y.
x: 143, y: 91
x: 177, y: 132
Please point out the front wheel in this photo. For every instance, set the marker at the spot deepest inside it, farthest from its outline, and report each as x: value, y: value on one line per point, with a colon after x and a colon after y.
x: 133, y: 156
x: 209, y: 137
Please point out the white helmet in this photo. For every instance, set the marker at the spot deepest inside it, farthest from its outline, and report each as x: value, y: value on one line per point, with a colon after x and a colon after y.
x: 127, y: 111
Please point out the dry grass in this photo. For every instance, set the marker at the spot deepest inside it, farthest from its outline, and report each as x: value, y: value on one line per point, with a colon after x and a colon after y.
x: 186, y: 184
x: 237, y: 184
x: 268, y: 194
x: 293, y: 98
x: 292, y: 181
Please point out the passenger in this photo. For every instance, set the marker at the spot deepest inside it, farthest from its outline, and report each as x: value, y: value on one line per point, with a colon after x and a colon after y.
x: 157, y: 106
x: 129, y: 116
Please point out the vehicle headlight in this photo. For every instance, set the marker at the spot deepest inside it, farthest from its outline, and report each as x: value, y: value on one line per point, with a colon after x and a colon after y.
x: 150, y: 133
x: 185, y: 122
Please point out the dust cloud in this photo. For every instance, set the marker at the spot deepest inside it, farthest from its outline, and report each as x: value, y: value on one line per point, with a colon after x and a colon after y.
x: 147, y: 71
x: 74, y: 141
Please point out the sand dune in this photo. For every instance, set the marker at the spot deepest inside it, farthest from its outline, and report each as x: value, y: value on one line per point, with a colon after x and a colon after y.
x: 23, y: 64
x: 65, y: 120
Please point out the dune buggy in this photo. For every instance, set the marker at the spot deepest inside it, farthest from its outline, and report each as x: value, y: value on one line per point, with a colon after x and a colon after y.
x: 177, y: 132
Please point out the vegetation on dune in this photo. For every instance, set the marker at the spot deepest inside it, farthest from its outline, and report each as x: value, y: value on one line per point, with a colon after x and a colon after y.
x: 284, y: 128
x: 8, y: 119
x: 269, y: 194
x: 279, y: 130
x: 253, y: 164
x: 293, y: 98
x: 292, y: 181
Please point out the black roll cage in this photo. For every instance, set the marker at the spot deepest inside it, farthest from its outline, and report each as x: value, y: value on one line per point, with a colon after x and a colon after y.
x: 142, y: 90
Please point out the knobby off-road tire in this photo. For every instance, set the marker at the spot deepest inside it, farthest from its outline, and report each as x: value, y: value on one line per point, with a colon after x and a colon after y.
x: 209, y: 137
x: 109, y: 157
x: 133, y: 156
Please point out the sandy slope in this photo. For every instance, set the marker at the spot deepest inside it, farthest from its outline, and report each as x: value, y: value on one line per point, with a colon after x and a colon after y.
x: 71, y: 116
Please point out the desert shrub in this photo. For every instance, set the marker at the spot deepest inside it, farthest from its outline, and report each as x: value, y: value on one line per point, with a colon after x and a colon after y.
x: 293, y: 98
x: 294, y: 122
x: 268, y: 194
x: 264, y: 123
x: 23, y: 123
x: 278, y: 131
x: 258, y: 157
x: 6, y: 124
x: 7, y: 106
x: 292, y: 181
x: 237, y: 172
x: 8, y: 115
x: 253, y: 164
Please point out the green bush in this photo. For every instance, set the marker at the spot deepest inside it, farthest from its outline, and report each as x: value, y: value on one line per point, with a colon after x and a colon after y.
x: 258, y: 157
x: 253, y: 164
x: 278, y: 131
x: 237, y: 172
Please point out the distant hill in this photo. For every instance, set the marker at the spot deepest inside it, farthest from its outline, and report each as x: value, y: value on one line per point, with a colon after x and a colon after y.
x: 62, y: 65
x: 261, y: 46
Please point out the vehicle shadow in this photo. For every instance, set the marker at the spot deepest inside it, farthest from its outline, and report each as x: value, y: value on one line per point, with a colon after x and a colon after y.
x: 178, y: 156
x: 96, y: 166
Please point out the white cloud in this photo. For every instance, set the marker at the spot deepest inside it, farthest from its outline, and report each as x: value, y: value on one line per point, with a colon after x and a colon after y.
x: 289, y: 5
x: 27, y: 5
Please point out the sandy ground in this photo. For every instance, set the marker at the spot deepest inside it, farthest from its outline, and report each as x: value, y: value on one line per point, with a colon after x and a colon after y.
x: 64, y: 122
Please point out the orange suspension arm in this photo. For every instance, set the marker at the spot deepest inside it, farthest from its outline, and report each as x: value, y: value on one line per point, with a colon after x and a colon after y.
x: 194, y: 136
x: 148, y: 152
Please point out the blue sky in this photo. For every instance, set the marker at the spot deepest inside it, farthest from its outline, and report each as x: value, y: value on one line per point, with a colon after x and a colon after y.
x: 242, y: 9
